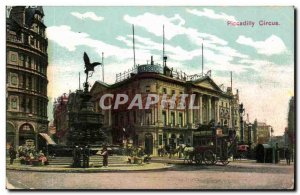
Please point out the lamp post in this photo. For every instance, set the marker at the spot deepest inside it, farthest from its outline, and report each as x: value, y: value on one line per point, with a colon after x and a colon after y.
x: 273, y: 149
x: 249, y: 137
x: 242, y: 113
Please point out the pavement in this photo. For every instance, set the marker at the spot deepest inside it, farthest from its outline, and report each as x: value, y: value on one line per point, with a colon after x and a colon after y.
x: 240, y: 175
x: 157, y: 163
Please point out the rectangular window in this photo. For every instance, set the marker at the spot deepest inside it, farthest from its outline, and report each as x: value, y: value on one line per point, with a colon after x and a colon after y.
x: 29, y: 83
x: 164, y: 115
x: 14, y: 79
x: 160, y: 139
x: 165, y: 139
x: 13, y: 57
x: 173, y: 92
x: 180, y: 120
x: 14, y: 102
x: 164, y: 90
x: 147, y: 88
x: 21, y: 60
x: 33, y: 63
x: 193, y: 116
x: 23, y: 104
x: 173, y: 118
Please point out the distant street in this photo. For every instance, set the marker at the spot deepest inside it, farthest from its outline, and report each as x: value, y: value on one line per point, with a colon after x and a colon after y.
x: 241, y: 175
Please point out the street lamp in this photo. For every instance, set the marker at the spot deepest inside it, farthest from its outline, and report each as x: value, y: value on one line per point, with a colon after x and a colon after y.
x: 273, y: 149
x: 242, y: 113
x: 249, y: 137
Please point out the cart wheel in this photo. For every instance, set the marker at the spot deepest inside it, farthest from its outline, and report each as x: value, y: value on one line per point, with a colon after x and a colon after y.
x: 198, y: 158
x: 209, y: 157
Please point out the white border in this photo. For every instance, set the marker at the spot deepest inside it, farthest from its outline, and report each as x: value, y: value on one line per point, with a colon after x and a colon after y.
x: 3, y: 3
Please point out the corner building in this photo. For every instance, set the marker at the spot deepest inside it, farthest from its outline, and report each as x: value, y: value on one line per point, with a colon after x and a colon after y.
x: 26, y: 75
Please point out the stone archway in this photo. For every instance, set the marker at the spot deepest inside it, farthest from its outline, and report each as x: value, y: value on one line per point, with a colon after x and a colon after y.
x: 27, y: 135
x: 148, y: 143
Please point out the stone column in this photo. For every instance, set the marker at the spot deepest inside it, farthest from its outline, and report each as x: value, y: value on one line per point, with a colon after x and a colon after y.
x: 190, y: 111
x: 209, y: 109
x: 200, y: 109
x: 218, y: 112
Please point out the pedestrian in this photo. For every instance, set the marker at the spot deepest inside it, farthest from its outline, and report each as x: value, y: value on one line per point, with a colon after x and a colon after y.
x: 12, y: 154
x: 76, y: 157
x: 104, y: 153
x: 86, y: 156
x: 288, y: 156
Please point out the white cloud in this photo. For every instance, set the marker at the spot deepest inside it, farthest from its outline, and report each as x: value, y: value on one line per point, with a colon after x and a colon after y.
x: 272, y: 45
x: 65, y: 37
x: 209, y: 13
x: 215, y: 48
x: 173, y: 26
x: 87, y: 15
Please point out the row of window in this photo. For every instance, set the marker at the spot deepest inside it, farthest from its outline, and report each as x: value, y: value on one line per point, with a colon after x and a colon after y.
x: 165, y: 91
x: 39, y: 44
x: 36, y: 28
x: 28, y: 81
x: 27, y: 104
x: 172, y: 119
x: 142, y: 116
x: 164, y: 139
x: 29, y: 62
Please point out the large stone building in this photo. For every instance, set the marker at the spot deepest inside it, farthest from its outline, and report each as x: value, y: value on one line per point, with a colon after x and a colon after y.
x: 156, y: 127
x: 60, y: 115
x: 263, y: 133
x: 26, y: 75
x: 291, y: 124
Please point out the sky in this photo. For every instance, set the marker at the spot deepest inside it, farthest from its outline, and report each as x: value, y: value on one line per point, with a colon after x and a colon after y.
x: 261, y: 57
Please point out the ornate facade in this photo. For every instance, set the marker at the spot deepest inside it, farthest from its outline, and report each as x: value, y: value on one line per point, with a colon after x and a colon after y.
x: 156, y: 127
x: 26, y: 75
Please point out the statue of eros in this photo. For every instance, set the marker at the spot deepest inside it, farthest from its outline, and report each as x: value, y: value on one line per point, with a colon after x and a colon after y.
x: 89, y: 67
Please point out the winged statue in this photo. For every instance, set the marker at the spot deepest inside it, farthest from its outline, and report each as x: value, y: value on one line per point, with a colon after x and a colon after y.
x: 89, y: 67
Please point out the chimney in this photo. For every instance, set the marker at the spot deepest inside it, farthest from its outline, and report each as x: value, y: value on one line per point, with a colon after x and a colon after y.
x: 152, y: 62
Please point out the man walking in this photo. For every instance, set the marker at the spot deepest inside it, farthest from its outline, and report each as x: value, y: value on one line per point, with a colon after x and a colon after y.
x: 105, y: 156
x: 12, y: 154
x: 86, y: 157
x: 288, y: 156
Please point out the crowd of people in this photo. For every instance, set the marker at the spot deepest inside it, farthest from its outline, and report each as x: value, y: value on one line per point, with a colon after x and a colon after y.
x: 27, y: 155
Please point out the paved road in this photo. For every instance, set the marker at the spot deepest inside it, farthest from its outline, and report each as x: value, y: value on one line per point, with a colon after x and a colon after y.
x: 232, y: 176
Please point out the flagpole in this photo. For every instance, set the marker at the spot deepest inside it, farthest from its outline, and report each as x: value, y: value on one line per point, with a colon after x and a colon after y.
x: 202, y: 56
x: 133, y: 46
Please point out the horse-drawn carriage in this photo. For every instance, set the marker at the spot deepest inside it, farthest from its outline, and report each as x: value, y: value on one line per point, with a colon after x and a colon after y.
x: 210, y: 146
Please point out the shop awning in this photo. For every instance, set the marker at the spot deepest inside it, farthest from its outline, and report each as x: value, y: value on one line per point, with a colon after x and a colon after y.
x: 48, y: 138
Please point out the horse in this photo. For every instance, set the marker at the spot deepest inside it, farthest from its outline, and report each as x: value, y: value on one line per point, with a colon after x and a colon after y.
x: 162, y: 152
x: 173, y: 152
x: 188, y: 153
